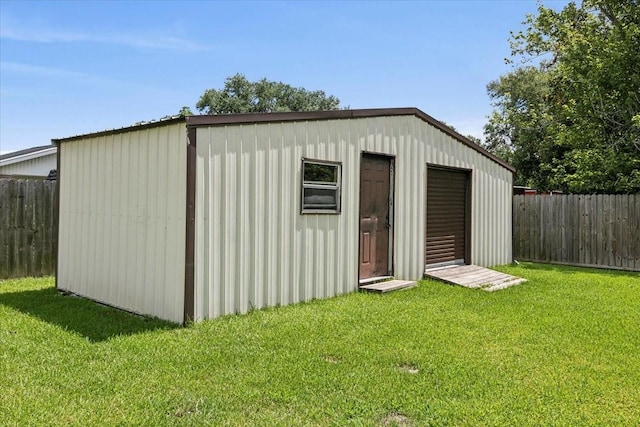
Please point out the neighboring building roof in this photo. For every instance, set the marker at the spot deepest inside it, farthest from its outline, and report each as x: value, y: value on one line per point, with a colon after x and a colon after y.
x: 520, y: 189
x: 27, y: 154
x: 230, y: 119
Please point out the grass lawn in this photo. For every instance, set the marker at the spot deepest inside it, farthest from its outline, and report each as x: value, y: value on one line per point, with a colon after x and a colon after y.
x: 562, y: 349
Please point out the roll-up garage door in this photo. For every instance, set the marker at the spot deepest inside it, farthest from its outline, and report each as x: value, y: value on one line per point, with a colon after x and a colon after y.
x: 446, y: 215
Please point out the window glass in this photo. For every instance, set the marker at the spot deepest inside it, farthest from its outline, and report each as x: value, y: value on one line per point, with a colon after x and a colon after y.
x: 320, y: 187
x: 319, y: 173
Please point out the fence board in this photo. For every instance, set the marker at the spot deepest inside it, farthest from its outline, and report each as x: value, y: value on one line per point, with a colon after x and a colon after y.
x: 555, y: 246
x: 547, y: 232
x: 590, y: 230
x: 524, y: 225
x: 27, y: 227
x: 624, y: 234
x: 601, y: 225
x: 534, y: 213
x: 635, y: 232
x: 596, y: 213
x: 593, y: 230
x: 582, y: 223
x: 613, y: 230
x: 586, y: 230
x: 617, y: 232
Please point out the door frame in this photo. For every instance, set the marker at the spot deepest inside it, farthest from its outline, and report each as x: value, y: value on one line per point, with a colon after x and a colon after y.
x: 392, y: 213
x: 467, y: 211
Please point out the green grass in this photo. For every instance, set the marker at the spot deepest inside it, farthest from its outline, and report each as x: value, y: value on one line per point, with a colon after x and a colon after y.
x: 562, y: 349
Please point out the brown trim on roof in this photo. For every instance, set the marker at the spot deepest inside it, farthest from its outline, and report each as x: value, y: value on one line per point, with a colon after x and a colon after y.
x: 147, y: 125
x: 246, y: 118
x: 231, y: 119
x: 466, y: 141
x: 189, y: 254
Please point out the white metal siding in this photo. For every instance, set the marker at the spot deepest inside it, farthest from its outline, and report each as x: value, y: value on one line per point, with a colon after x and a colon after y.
x: 122, y: 219
x: 38, y: 166
x: 255, y: 249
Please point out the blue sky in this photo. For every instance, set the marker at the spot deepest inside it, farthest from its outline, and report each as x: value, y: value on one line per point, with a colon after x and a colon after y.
x: 68, y: 68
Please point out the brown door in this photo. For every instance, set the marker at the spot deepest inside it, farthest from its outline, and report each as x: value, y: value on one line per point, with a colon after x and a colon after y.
x: 375, y: 219
x: 446, y: 239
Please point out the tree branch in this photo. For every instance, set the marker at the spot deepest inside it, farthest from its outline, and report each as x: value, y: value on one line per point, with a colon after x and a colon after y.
x: 607, y: 13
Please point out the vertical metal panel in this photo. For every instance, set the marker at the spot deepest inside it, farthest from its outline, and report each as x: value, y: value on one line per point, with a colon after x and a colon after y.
x: 255, y: 249
x: 270, y: 253
x: 39, y: 166
x: 122, y: 219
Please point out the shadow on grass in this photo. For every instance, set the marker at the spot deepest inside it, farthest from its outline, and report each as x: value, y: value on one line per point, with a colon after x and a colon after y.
x: 93, y: 321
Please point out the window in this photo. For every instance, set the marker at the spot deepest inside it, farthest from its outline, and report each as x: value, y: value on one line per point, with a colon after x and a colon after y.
x: 320, y: 186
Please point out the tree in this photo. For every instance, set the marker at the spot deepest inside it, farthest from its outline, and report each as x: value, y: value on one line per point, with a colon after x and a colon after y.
x: 568, y: 115
x: 185, y: 111
x: 516, y: 129
x: 239, y: 95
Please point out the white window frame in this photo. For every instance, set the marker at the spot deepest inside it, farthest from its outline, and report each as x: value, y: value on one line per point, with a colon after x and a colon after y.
x: 337, y: 187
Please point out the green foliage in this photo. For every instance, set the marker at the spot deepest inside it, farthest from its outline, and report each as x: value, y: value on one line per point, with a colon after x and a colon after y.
x: 314, y: 172
x: 560, y: 349
x: 567, y: 116
x: 185, y: 111
x: 239, y: 95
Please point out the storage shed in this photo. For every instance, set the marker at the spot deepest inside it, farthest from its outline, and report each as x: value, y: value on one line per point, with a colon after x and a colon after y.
x: 197, y: 217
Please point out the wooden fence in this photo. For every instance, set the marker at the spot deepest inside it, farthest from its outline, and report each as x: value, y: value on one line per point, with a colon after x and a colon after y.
x: 589, y: 230
x: 27, y: 227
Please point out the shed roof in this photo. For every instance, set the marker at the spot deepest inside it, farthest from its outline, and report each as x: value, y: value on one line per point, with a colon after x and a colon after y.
x: 247, y: 118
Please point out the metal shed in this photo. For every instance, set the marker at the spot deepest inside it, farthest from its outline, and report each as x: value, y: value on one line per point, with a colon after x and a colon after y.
x: 197, y: 217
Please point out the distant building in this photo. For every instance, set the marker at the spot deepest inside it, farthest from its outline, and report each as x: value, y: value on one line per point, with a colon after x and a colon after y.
x: 521, y: 190
x: 35, y: 161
